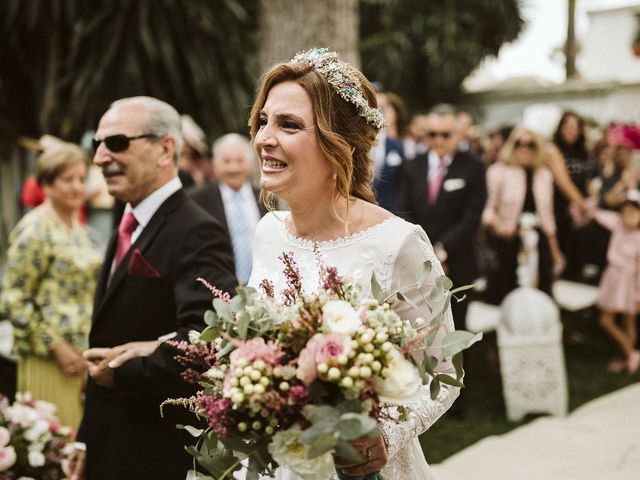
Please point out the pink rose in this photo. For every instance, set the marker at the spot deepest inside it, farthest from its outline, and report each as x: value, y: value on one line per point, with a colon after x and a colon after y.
x: 319, y: 350
x: 7, y: 458
x: 256, y: 349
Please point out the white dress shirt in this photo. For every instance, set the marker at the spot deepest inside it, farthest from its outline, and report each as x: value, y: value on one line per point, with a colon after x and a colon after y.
x: 434, y: 164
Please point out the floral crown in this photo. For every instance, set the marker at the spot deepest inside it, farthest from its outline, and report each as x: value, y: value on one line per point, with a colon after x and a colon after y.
x: 344, y: 80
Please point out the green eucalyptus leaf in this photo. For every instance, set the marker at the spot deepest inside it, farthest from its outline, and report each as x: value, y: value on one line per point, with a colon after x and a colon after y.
x: 193, y: 431
x: 322, y: 444
x: 209, y: 334
x: 457, y: 361
x: 354, y: 425
x: 376, y: 289
x: 242, y: 324
x: 346, y: 451
x: 444, y: 282
x: 223, y: 309
x: 457, y: 341
x: 434, y: 388
x: 448, y: 380
x: 238, y: 303
x: 210, y: 317
x: 317, y: 413
x: 423, y: 274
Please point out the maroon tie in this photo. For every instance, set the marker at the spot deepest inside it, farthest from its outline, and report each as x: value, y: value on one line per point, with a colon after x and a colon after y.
x: 435, y: 182
x: 127, y: 225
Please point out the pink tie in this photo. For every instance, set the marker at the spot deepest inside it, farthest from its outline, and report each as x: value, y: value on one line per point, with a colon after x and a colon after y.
x: 127, y: 225
x: 435, y: 182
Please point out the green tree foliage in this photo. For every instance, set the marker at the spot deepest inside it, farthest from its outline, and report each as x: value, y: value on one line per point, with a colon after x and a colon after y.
x: 64, y: 61
x: 423, y: 49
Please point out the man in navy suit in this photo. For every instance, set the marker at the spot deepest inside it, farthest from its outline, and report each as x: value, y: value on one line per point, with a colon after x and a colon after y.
x: 233, y: 200
x: 388, y: 157
x: 444, y: 191
x: 147, y: 291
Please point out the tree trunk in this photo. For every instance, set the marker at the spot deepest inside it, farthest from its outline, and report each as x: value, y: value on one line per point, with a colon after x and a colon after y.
x: 570, y: 45
x: 288, y: 27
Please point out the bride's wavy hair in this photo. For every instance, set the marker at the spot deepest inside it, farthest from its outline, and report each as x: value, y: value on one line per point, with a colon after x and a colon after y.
x: 344, y: 136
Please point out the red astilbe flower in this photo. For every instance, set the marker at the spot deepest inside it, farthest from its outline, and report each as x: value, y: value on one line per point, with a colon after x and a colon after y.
x: 219, y: 413
x: 332, y: 282
x: 268, y: 288
x: 198, y: 358
x: 224, y: 296
x: 292, y: 276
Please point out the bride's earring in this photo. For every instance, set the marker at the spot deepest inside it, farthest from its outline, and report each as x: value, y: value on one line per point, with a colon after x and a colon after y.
x: 334, y: 176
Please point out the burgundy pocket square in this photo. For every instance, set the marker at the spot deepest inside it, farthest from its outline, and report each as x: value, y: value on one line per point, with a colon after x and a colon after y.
x: 140, y: 268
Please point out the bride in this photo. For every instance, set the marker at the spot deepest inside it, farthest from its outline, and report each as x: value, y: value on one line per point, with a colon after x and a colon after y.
x: 313, y: 125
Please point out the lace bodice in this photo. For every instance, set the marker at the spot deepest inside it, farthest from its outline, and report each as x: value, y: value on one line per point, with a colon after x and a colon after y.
x: 394, y: 249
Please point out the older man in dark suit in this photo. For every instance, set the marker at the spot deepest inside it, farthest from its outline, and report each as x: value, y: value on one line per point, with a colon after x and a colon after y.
x: 147, y: 291
x: 444, y: 191
x: 233, y: 200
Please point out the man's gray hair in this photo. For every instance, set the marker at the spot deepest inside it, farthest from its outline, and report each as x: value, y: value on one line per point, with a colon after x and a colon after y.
x: 162, y: 119
x: 237, y: 139
x: 445, y: 110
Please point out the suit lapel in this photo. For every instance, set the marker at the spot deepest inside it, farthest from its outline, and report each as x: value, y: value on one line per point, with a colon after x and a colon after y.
x: 142, y: 242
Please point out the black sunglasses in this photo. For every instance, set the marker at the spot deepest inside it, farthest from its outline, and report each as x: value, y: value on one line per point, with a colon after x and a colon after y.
x: 444, y: 135
x: 119, y: 143
x: 530, y: 145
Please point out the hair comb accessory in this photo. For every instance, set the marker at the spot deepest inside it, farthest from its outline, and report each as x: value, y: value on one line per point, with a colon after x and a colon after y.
x: 344, y: 80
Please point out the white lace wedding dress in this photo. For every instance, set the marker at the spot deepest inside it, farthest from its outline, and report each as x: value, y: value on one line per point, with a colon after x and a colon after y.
x: 393, y: 249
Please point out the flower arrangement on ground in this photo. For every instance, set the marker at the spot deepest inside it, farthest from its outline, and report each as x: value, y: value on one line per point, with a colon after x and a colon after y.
x: 33, y: 444
x: 291, y: 381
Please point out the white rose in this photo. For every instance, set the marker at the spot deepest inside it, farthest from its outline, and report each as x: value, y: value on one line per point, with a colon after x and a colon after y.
x: 286, y: 449
x: 402, y: 383
x: 36, y: 459
x: 4, y: 437
x: 39, y: 428
x: 340, y: 317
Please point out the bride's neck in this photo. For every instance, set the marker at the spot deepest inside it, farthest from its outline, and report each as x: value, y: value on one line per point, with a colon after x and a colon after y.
x: 321, y: 222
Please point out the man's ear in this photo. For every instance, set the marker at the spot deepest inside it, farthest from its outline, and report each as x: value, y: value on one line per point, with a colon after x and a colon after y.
x: 168, y: 145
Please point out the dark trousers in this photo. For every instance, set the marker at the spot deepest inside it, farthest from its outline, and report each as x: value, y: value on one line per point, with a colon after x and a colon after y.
x: 7, y: 378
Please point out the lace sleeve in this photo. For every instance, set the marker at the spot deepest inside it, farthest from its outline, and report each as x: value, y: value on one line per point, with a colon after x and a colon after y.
x: 424, y: 412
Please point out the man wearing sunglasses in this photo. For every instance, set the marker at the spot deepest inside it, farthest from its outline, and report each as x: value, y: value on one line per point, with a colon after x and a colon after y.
x: 444, y: 192
x: 147, y: 291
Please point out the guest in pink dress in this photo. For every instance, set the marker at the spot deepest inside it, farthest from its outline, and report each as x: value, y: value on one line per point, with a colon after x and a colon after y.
x: 621, y: 280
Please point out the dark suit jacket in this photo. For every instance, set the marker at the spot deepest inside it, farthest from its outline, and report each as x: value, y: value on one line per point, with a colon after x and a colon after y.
x: 453, y: 220
x: 209, y: 198
x: 126, y: 437
x: 388, y: 180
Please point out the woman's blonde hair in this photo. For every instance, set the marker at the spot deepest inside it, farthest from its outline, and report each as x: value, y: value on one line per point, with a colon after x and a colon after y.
x: 56, y: 159
x: 507, y: 152
x: 344, y: 136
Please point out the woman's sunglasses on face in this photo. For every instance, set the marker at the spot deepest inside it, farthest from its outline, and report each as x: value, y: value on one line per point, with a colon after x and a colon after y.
x: 531, y: 145
x: 119, y: 143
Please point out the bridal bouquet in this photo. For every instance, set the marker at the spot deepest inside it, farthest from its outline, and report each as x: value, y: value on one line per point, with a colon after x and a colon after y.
x: 32, y: 442
x: 292, y: 381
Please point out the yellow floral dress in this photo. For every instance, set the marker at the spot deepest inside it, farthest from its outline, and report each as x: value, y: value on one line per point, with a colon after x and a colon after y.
x: 47, y: 294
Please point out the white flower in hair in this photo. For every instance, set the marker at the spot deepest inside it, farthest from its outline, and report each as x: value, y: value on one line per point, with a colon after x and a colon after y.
x: 344, y: 80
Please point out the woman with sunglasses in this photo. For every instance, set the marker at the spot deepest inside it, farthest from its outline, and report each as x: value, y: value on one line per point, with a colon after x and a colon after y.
x: 51, y: 275
x: 519, y: 214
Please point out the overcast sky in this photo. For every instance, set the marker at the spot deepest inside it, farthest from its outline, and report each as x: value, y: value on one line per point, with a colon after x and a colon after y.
x: 546, y: 29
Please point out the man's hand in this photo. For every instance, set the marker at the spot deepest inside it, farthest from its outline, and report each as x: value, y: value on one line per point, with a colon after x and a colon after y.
x: 70, y: 361
x: 99, y: 370
x: 124, y: 353
x: 102, y: 361
x: 73, y: 466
